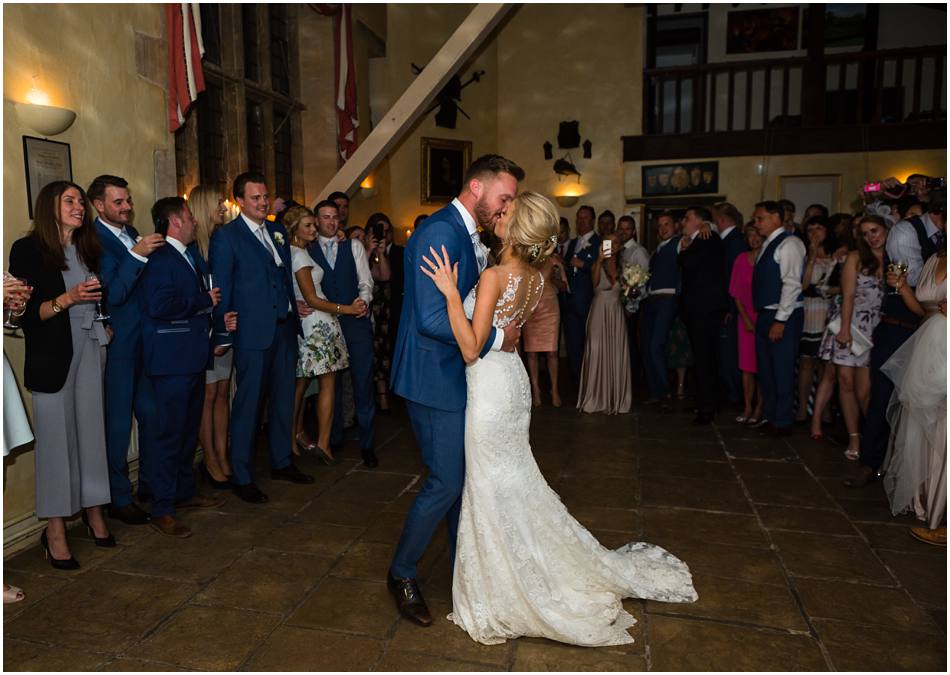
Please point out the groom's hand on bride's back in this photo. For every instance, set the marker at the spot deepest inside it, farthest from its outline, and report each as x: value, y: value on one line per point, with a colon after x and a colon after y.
x: 512, y: 335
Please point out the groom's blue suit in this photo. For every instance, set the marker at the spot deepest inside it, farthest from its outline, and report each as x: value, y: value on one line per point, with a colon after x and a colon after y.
x: 428, y: 371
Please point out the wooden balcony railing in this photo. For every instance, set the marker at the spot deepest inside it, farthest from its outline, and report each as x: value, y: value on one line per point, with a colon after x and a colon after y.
x: 855, y: 88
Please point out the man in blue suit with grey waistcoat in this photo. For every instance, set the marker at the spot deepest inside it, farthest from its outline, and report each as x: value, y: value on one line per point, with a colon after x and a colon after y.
x: 429, y: 372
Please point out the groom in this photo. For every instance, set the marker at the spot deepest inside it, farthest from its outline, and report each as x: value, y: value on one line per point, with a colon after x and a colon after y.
x: 428, y: 370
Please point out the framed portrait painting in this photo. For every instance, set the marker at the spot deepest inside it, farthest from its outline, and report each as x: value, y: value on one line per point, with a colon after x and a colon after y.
x: 45, y: 162
x: 685, y: 178
x: 444, y: 162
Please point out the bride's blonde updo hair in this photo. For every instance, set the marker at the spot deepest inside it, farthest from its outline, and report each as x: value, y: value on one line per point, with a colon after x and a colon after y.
x: 533, y: 228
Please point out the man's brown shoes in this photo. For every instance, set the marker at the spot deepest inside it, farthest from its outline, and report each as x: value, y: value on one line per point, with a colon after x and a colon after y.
x: 409, y: 600
x: 167, y: 525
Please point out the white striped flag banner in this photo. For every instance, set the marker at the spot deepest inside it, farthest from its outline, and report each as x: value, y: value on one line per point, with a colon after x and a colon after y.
x: 185, y: 50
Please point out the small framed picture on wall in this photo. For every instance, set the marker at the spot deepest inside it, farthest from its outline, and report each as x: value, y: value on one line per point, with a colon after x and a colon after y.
x: 444, y: 162
x: 45, y: 162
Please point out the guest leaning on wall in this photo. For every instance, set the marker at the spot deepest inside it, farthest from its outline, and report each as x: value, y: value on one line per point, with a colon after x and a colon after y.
x: 64, y: 366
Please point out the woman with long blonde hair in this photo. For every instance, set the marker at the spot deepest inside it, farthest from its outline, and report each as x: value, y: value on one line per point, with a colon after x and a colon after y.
x: 210, y: 211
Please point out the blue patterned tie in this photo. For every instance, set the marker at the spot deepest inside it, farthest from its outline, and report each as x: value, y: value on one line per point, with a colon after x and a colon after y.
x: 479, y: 253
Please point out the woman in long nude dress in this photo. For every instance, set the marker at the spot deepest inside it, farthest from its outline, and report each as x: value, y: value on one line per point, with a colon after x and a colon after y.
x: 606, y: 382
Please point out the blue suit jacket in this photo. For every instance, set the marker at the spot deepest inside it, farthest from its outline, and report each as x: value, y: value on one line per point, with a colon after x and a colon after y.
x: 176, y: 331
x: 579, y: 280
x: 251, y: 284
x: 120, y: 273
x: 427, y: 366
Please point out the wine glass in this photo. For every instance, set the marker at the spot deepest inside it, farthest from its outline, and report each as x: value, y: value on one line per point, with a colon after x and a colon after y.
x: 897, y: 267
x: 12, y: 312
x: 209, y: 281
x: 100, y: 314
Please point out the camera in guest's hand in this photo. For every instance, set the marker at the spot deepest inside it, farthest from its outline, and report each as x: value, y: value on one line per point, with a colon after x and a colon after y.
x: 916, y: 183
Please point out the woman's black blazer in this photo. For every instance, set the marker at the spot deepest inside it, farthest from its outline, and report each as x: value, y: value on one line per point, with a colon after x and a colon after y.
x: 49, y: 344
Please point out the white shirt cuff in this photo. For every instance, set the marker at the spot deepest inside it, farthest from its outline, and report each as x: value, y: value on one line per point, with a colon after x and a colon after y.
x: 499, y: 340
x: 140, y: 258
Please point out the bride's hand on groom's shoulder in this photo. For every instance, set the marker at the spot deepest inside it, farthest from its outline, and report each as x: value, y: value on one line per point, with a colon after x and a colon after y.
x: 443, y: 272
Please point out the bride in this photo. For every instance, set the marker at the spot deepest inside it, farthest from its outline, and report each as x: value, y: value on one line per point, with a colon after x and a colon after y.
x: 524, y: 566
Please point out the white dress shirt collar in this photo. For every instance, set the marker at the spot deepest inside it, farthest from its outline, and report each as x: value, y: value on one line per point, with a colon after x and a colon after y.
x: 664, y: 242
x: 583, y: 240
x: 114, y: 229
x: 326, y: 240
x: 252, y: 225
x: 725, y: 233
x: 467, y: 217
x: 177, y: 245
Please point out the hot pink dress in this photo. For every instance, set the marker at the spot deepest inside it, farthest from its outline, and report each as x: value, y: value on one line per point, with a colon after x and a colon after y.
x: 740, y: 287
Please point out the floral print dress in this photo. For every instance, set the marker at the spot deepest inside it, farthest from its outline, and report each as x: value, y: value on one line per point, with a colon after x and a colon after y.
x: 322, y: 349
x: 868, y: 296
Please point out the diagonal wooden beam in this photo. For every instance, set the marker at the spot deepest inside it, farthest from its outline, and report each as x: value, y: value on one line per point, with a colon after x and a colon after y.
x: 466, y: 39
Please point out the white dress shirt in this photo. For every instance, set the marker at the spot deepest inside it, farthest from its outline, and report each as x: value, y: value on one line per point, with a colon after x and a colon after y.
x: 181, y: 248
x: 472, y: 229
x: 582, y: 242
x: 124, y: 237
x: 364, y: 276
x: 725, y: 233
x: 634, y: 254
x: 262, y: 235
x: 902, y: 244
x: 662, y: 291
x: 790, y: 256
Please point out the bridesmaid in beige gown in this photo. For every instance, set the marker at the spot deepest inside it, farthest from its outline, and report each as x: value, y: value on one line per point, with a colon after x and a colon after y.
x: 606, y: 384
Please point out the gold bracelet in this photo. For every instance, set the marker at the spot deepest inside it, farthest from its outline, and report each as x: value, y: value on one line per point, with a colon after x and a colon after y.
x: 338, y: 310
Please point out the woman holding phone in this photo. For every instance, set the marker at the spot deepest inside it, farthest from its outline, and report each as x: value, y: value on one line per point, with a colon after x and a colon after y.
x: 606, y: 383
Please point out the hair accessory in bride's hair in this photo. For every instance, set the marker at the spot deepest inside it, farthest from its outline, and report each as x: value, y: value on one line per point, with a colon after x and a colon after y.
x: 535, y: 251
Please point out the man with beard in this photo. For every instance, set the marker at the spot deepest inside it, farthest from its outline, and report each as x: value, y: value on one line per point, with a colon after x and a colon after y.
x: 428, y: 370
x: 124, y: 257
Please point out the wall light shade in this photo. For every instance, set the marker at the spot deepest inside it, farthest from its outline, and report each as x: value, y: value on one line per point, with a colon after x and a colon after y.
x: 45, y: 120
x: 566, y: 200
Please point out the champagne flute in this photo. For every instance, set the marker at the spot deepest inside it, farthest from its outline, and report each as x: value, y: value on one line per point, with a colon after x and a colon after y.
x: 100, y: 314
x: 209, y: 281
x: 11, y: 313
x: 897, y: 267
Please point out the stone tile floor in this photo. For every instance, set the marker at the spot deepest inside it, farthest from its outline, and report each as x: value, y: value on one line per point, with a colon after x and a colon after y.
x: 794, y: 571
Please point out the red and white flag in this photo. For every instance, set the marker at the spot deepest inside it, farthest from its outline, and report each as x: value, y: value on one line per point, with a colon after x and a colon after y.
x: 185, y: 51
x: 346, y: 110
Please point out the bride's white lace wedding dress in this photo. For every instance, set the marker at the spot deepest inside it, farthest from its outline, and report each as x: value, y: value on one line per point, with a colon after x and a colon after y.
x: 524, y: 566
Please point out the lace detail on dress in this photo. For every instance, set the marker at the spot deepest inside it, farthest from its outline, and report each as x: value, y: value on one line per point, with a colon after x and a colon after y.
x: 524, y: 566
x: 512, y: 306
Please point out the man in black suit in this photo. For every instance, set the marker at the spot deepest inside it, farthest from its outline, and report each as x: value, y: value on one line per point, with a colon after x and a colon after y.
x: 703, y: 301
x: 730, y: 226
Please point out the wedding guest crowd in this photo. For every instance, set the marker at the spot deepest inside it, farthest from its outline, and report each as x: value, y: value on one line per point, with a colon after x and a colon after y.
x: 205, y: 328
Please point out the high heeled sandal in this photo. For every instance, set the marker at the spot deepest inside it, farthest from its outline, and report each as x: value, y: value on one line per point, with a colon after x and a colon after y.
x: 850, y: 454
x: 69, y: 564
x: 102, y: 542
x: 308, y: 449
x: 322, y: 455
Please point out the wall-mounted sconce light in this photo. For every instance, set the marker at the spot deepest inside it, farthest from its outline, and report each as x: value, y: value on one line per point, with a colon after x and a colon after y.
x: 367, y: 187
x: 566, y: 200
x: 38, y: 115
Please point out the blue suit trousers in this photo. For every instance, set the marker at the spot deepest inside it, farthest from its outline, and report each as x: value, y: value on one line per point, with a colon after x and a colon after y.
x: 178, y: 402
x: 441, y: 437
x: 269, y: 371
x: 657, y: 315
x: 360, y: 348
x: 875, y: 431
x: 127, y: 389
x: 776, y: 365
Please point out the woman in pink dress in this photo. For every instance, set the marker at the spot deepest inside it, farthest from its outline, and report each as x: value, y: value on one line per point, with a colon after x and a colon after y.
x: 740, y: 288
x: 540, y: 332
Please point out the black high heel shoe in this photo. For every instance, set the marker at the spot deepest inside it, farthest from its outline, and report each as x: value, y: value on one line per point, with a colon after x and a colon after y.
x: 212, y: 481
x: 101, y: 542
x: 322, y: 455
x: 70, y: 564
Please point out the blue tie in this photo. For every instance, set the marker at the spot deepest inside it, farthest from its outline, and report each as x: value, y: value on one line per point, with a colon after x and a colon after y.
x: 191, y: 261
x: 479, y: 253
x: 329, y: 250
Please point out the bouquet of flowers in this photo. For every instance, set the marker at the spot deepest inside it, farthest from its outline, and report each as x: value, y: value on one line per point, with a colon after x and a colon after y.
x: 633, y: 283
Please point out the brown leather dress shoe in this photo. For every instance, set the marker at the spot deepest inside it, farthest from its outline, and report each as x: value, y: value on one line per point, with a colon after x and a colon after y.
x: 169, y: 526
x: 409, y: 600
x: 863, y: 476
x: 201, y: 502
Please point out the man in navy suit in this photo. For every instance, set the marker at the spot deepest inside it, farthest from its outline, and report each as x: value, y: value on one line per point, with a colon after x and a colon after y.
x: 124, y: 258
x: 581, y: 254
x: 346, y: 276
x: 251, y: 261
x: 429, y: 372
x: 177, y: 338
x: 730, y: 226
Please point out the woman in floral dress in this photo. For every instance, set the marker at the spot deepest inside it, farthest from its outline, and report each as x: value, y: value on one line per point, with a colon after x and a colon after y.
x: 322, y: 350
x: 860, y: 311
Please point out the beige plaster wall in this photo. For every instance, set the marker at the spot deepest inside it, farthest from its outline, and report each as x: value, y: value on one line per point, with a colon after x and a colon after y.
x: 740, y: 184
x: 557, y: 63
x: 89, y: 67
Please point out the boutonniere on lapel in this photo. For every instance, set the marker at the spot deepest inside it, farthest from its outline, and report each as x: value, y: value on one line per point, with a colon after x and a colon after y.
x: 279, y: 238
